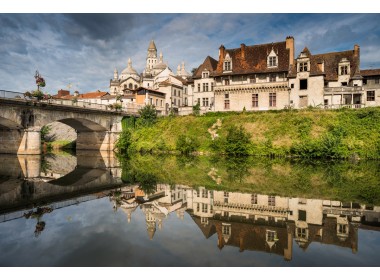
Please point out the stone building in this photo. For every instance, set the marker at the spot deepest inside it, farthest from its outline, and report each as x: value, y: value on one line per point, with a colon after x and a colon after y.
x: 327, y: 80
x: 371, y: 86
x: 156, y: 76
x: 250, y: 77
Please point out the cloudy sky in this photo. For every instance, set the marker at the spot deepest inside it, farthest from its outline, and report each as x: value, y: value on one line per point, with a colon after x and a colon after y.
x: 83, y: 49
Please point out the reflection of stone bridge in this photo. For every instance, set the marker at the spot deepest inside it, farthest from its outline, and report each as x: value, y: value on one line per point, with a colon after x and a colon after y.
x: 21, y: 122
x: 24, y: 184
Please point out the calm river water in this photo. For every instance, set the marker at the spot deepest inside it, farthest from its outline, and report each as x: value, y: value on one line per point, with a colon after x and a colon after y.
x: 96, y: 210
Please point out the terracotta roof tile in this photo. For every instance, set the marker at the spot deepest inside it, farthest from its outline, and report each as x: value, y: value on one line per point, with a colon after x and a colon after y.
x: 90, y: 95
x: 370, y: 72
x: 253, y: 59
x: 209, y: 63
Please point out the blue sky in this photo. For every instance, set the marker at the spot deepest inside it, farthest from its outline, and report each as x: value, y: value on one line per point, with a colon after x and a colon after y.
x: 83, y: 49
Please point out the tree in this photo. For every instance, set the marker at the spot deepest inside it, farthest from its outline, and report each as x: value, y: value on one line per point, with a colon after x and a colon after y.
x: 196, y: 109
x: 237, y: 141
x: 148, y: 114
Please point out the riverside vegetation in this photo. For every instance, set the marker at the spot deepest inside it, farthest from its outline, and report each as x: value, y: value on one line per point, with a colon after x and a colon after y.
x: 309, y: 133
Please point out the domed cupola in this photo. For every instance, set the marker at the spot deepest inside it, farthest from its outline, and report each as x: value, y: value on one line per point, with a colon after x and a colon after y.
x: 129, y: 72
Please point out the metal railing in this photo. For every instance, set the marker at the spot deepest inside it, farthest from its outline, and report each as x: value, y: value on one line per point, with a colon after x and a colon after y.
x: 340, y: 106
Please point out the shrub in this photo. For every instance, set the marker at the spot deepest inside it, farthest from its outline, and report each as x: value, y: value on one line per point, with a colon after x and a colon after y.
x: 196, y: 109
x: 148, y: 115
x: 237, y: 141
x: 124, y: 141
x: 187, y: 144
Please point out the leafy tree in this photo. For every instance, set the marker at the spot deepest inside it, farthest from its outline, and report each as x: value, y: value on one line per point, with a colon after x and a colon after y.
x: 187, y: 144
x: 124, y: 141
x: 196, y: 109
x: 237, y: 141
x: 148, y: 114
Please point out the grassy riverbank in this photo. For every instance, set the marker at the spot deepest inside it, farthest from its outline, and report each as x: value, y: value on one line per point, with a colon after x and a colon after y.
x: 309, y: 133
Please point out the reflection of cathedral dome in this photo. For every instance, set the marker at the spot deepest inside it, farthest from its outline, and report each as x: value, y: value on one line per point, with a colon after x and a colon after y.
x: 129, y: 71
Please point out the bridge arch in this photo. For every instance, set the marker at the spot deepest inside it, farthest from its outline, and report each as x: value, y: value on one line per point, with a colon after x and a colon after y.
x: 21, y: 123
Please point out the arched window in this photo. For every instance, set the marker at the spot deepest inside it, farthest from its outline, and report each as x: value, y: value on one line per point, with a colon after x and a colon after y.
x: 130, y: 86
x: 135, y: 86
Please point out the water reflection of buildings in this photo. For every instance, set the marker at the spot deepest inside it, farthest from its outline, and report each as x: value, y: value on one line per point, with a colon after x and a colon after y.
x: 253, y: 221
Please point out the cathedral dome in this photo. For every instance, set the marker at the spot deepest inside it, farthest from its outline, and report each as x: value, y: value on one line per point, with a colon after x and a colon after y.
x: 129, y: 71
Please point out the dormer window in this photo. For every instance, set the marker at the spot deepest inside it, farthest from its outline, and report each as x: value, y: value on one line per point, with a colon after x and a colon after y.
x: 302, y: 67
x: 227, y: 65
x: 205, y: 74
x: 272, y: 59
x: 344, y: 70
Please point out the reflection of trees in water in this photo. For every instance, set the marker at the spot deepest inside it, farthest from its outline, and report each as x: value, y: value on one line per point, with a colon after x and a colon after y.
x: 237, y: 168
x: 147, y: 182
x: 186, y: 161
x: 40, y: 226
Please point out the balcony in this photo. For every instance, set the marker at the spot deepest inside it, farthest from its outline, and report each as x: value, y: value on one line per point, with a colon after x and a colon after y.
x: 343, y: 89
x: 251, y: 87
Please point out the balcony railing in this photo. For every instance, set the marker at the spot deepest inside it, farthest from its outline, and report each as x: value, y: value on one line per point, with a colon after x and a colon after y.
x: 254, y: 86
x: 342, y: 89
x: 340, y: 106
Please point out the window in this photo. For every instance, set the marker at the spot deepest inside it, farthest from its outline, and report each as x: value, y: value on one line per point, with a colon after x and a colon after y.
x: 255, y: 100
x: 291, y: 85
x: 204, y: 193
x: 226, y: 82
x: 302, y: 67
x: 212, y: 86
x: 371, y: 95
x: 377, y: 81
x: 271, y: 236
x: 226, y: 230
x: 272, y: 61
x: 204, y: 207
x: 226, y: 104
x: 205, y: 75
x: 135, y: 86
x: 344, y: 70
x: 199, y: 101
x: 252, y: 79
x: 320, y: 67
x: 226, y: 214
x: 156, y: 102
x: 301, y: 215
x: 205, y: 86
x: 344, y: 84
x: 130, y: 86
x: 254, y: 198
x: 303, y: 84
x: 227, y: 66
x: 175, y: 93
x: 226, y: 96
x: 179, y: 102
x: 302, y: 233
x: 272, y: 99
x: 151, y: 101
x: 199, y: 87
x: 161, y: 103
x: 185, y: 101
x: 342, y: 229
x: 272, y: 77
x: 175, y: 101
x: 205, y: 102
x: 271, y: 200
x: 197, y: 207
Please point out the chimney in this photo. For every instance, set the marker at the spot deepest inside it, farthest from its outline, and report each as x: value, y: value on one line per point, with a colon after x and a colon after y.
x: 290, y: 47
x: 357, y: 56
x: 242, y: 47
x: 222, y: 50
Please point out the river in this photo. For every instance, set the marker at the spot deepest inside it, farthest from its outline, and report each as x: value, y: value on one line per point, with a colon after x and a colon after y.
x: 93, y: 209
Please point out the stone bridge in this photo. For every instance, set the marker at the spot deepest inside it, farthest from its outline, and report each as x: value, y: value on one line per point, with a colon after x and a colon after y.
x: 21, y: 122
